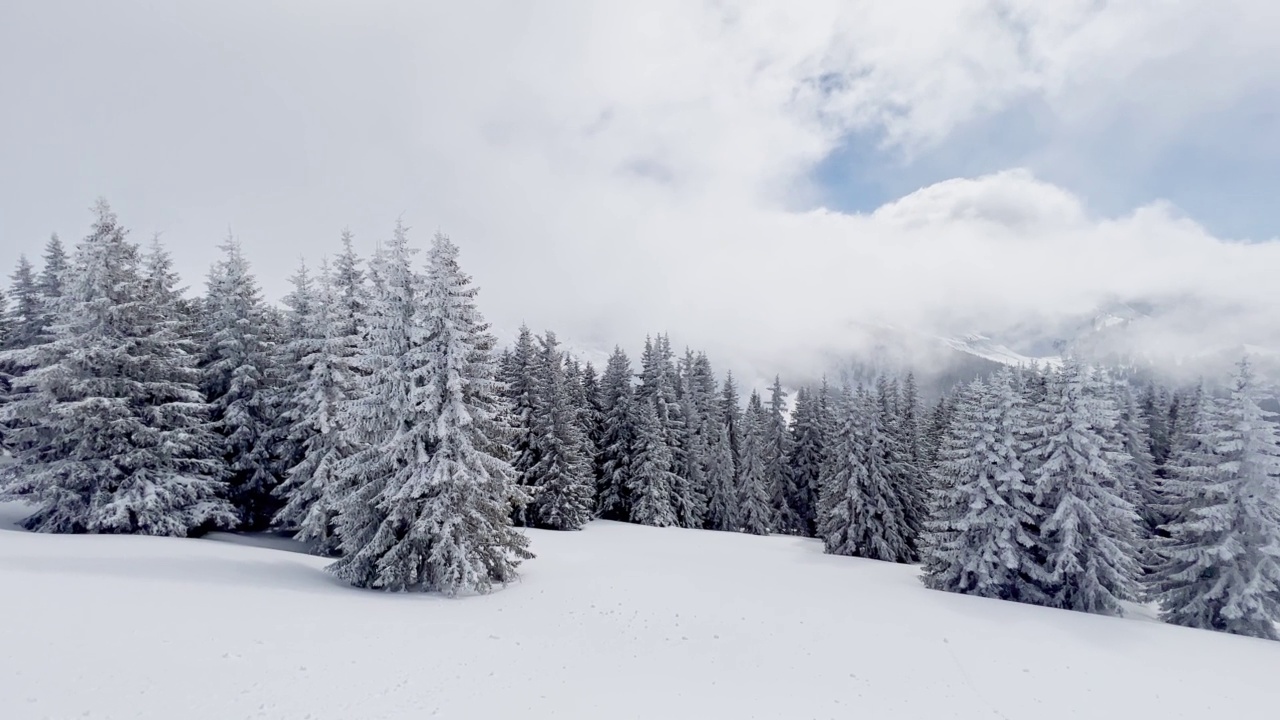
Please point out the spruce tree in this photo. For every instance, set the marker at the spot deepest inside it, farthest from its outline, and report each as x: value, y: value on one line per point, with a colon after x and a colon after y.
x: 722, y: 491
x: 302, y: 339
x: 808, y: 447
x: 1222, y: 568
x: 235, y: 369
x: 593, y: 418
x: 563, y: 495
x: 864, y: 507
x: 651, y: 482
x: 109, y: 423
x: 1088, y: 526
x: 442, y: 517
x: 53, y: 273
x: 310, y: 485
x: 755, y: 497
x: 26, y: 316
x: 520, y: 390
x: 620, y: 427
x: 659, y: 386
x: 983, y: 535
x: 777, y: 451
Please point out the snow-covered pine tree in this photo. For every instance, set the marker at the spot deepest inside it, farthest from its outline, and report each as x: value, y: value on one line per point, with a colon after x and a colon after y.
x: 350, y: 293
x: 755, y: 497
x: 111, y: 428
x: 1222, y: 567
x: 310, y: 485
x: 900, y: 446
x: 864, y: 506
x: 619, y: 430
x: 808, y: 447
x: 909, y: 424
x: 659, y: 385
x: 23, y: 320
x: 983, y: 535
x: 722, y: 490
x: 519, y: 386
x: 1155, y: 405
x: 731, y: 410
x: 26, y: 316
x: 777, y: 452
x: 585, y: 413
x: 444, y: 514
x: 235, y: 370
x: 651, y: 481
x: 593, y: 418
x: 935, y: 433
x: 53, y: 273
x: 694, y: 441
x: 563, y: 496
x: 1088, y: 527
x: 1135, y: 463
x: 302, y: 338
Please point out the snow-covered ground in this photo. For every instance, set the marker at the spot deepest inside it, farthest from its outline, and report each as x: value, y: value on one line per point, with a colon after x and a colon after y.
x: 616, y: 621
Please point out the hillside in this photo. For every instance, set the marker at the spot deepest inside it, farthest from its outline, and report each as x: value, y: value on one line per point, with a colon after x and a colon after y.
x: 616, y: 621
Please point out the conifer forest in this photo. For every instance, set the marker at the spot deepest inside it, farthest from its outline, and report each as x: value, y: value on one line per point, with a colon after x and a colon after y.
x: 373, y: 416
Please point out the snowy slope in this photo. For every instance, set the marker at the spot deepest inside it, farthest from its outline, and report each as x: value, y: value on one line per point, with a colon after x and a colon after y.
x: 616, y: 621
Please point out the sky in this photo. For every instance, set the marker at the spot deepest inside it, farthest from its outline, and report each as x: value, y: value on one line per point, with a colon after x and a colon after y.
x: 756, y: 178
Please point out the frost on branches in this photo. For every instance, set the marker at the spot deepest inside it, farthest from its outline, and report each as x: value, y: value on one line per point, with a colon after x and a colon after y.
x: 1221, y: 568
x: 983, y: 536
x: 437, y: 515
x: 108, y: 423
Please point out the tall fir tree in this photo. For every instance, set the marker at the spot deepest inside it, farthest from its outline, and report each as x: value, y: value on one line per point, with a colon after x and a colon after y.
x: 1088, y: 526
x: 618, y: 437
x: 310, y: 484
x: 441, y: 521
x: 659, y: 386
x: 563, y: 495
x: 722, y: 490
x: 25, y: 317
x: 53, y: 273
x: 1222, y: 567
x: 983, y: 534
x: 519, y: 383
x: 110, y: 425
x: 777, y: 451
x: 651, y: 481
x: 755, y: 497
x: 301, y: 340
x: 864, y: 507
x: 235, y: 368
x: 808, y: 447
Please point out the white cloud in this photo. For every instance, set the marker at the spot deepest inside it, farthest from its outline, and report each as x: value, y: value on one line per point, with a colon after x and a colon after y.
x: 614, y: 169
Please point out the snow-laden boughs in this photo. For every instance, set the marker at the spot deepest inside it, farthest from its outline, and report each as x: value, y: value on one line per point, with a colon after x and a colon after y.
x: 1221, y: 566
x: 440, y: 518
x: 983, y: 535
x: 650, y: 480
x: 808, y: 447
x: 328, y: 385
x: 563, y: 496
x: 235, y: 378
x: 110, y: 427
x: 863, y: 507
x: 755, y: 512
x: 1088, y: 526
x: 777, y: 451
x: 618, y: 436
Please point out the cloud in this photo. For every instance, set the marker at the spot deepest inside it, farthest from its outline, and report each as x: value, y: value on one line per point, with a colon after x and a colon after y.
x: 615, y: 169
